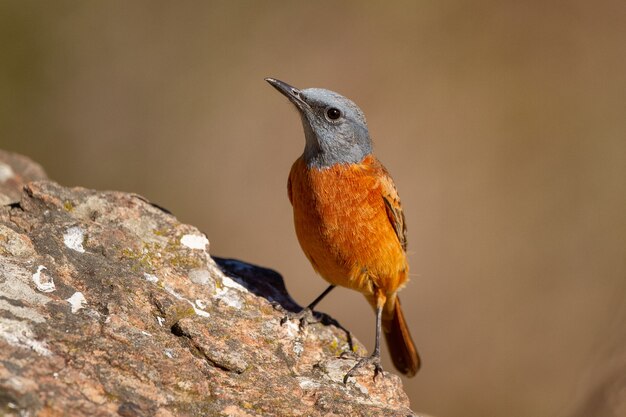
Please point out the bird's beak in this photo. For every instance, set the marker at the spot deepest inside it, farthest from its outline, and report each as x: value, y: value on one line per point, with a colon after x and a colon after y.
x: 292, y: 93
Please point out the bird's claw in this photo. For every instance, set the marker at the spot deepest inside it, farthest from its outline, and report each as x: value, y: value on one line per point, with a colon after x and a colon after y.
x: 373, y: 360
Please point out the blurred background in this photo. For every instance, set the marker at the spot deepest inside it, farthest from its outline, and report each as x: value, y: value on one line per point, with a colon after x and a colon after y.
x: 502, y: 122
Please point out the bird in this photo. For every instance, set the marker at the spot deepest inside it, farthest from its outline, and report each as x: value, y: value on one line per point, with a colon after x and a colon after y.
x: 348, y: 217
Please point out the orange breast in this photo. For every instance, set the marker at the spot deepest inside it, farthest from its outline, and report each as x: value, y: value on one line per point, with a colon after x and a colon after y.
x: 343, y: 227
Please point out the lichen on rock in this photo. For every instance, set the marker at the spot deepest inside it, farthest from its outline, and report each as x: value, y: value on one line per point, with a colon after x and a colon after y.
x: 110, y: 306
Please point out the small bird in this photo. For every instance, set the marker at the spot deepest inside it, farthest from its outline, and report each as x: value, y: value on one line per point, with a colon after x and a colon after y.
x: 348, y: 216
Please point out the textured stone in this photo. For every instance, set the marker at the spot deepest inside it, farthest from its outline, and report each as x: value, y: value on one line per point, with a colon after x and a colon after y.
x: 15, y: 171
x: 111, y: 307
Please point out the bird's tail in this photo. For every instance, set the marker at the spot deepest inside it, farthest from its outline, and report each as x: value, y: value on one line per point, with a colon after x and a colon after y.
x: 401, y: 347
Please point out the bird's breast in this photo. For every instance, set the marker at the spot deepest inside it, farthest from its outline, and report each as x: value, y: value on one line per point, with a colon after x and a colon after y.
x: 342, y: 225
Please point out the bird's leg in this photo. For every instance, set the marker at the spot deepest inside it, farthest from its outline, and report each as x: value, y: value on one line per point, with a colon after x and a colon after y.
x: 374, y: 358
x: 306, y: 315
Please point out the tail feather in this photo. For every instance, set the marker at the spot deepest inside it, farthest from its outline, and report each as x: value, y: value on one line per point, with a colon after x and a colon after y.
x: 401, y: 347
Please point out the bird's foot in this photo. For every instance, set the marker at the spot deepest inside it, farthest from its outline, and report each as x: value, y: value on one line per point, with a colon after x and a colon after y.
x: 304, y: 317
x: 369, y: 360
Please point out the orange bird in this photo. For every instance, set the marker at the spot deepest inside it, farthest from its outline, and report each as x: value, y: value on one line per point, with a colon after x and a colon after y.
x: 348, y: 216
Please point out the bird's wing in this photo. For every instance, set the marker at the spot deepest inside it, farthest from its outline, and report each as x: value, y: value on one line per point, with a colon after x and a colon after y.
x: 393, y: 206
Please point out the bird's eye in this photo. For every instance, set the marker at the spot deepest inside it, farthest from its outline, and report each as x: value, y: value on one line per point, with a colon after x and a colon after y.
x: 333, y: 113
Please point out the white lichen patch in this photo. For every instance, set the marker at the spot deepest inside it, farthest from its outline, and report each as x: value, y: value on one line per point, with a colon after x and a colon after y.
x: 19, y: 287
x: 229, y: 292
x: 77, y: 301
x: 6, y: 172
x: 298, y: 348
x: 73, y: 238
x: 43, y: 281
x: 20, y: 334
x: 201, y: 313
x: 171, y: 291
x: 229, y: 297
x: 195, y: 241
x: 187, y: 386
x: 308, y: 384
x: 201, y: 304
x: 200, y: 276
x: 150, y: 278
x: 291, y: 328
x: 228, y: 282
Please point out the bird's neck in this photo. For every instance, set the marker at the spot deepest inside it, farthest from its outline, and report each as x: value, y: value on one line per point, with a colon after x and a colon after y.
x: 319, y: 154
x: 318, y: 158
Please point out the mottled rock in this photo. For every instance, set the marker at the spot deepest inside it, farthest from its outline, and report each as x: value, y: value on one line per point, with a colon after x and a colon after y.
x: 15, y: 171
x: 111, y: 307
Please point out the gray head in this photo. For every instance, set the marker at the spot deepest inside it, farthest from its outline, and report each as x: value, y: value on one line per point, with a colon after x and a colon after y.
x: 334, y: 127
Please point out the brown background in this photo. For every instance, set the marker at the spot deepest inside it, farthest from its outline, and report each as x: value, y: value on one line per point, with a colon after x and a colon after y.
x: 503, y: 124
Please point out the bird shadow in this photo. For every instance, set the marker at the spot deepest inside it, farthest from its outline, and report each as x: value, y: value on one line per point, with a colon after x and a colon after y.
x: 269, y: 284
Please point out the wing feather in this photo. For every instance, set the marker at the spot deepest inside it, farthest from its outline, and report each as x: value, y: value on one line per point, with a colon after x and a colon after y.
x: 393, y: 206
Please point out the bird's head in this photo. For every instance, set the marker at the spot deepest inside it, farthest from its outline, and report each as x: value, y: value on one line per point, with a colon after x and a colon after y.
x: 334, y: 127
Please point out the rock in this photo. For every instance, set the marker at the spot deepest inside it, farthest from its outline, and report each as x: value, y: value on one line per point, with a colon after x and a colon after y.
x: 15, y: 171
x: 111, y: 307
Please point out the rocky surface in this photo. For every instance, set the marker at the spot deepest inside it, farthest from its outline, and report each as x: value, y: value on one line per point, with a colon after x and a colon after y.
x: 111, y: 307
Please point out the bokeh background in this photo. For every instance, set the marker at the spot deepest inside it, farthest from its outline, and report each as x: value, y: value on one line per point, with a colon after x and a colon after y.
x: 502, y: 122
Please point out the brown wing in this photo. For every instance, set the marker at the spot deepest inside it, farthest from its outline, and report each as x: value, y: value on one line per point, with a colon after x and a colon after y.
x: 393, y: 206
